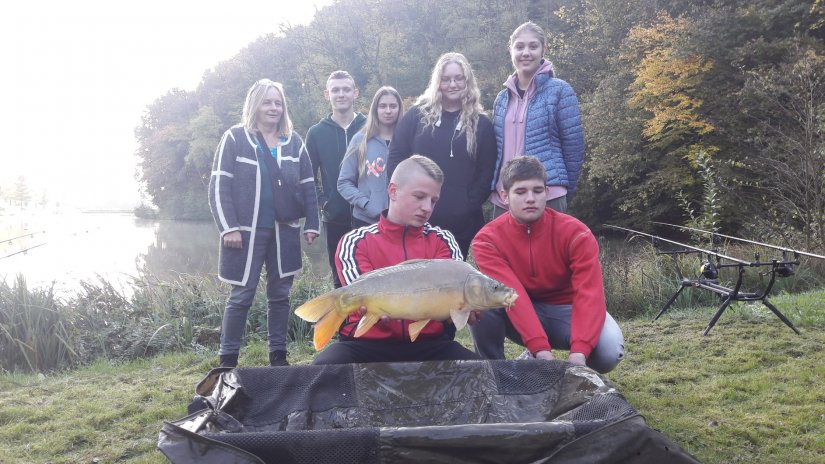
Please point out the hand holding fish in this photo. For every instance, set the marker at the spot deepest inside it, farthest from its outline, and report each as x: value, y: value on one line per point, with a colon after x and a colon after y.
x: 362, y: 311
x: 545, y: 355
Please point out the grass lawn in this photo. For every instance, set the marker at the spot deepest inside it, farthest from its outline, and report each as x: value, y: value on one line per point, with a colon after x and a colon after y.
x: 751, y: 391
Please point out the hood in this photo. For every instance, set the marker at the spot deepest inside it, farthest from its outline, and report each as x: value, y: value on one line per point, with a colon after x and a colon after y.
x: 545, y: 67
x: 327, y: 121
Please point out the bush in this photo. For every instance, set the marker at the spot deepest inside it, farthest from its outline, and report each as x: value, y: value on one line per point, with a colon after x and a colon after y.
x: 144, y: 211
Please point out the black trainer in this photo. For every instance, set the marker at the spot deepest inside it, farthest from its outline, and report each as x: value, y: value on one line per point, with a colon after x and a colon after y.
x: 278, y: 358
x: 229, y: 360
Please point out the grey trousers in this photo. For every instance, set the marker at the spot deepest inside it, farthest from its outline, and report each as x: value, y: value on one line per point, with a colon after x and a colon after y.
x: 557, y: 204
x: 241, y: 298
x: 489, y: 332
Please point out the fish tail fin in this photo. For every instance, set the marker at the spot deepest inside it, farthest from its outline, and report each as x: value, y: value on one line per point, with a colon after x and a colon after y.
x: 318, y: 307
x: 323, y: 311
x: 326, y: 328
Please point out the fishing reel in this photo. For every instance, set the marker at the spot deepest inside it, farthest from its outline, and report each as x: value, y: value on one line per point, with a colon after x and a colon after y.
x: 709, y: 270
x: 784, y: 270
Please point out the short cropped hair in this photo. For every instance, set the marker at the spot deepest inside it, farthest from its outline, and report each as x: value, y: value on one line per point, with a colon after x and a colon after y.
x: 427, y: 165
x: 340, y: 74
x: 522, y: 168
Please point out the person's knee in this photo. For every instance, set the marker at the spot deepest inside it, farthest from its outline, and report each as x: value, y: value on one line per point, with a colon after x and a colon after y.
x: 608, y: 353
x: 606, y: 359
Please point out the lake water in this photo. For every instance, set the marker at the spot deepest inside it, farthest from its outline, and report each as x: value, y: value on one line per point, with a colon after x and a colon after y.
x: 65, y: 249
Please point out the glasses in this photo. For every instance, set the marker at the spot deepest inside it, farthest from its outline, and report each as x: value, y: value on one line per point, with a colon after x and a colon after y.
x: 459, y: 80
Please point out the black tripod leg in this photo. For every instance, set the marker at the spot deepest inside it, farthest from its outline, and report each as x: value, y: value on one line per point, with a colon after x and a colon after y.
x: 718, y: 313
x: 669, y: 302
x: 780, y: 315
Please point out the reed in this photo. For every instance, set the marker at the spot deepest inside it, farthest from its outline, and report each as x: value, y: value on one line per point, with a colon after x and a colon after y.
x: 34, y: 334
x: 40, y: 333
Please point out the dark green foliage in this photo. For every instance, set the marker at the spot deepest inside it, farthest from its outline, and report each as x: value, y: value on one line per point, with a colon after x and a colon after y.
x: 714, y: 57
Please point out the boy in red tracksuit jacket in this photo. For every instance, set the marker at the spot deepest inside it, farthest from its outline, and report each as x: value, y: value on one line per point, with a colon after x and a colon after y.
x: 402, y: 233
x: 552, y: 261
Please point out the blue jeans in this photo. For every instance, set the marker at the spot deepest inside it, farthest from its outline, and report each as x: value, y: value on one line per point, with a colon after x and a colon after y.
x: 241, y: 298
x: 489, y: 332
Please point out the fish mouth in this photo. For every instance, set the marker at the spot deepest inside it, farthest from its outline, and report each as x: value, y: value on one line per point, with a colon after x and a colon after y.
x: 510, y: 299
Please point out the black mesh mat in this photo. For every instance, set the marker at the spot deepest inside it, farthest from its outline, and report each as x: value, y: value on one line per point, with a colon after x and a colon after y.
x: 273, y: 394
x: 528, y: 377
x: 440, y: 411
x: 315, y: 446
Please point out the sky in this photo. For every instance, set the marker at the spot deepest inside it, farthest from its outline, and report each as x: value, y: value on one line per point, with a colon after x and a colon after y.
x: 77, y: 77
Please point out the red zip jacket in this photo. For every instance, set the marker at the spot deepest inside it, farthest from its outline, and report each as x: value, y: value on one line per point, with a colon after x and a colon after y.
x: 387, y: 244
x: 554, y: 260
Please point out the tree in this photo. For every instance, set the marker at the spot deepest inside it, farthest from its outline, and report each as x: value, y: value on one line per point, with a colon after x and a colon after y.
x: 21, y: 195
x: 164, y: 139
x: 204, y: 129
x: 787, y: 106
x: 666, y: 79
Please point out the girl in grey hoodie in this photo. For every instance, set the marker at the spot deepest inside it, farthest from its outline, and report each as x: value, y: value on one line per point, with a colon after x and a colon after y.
x: 363, y: 178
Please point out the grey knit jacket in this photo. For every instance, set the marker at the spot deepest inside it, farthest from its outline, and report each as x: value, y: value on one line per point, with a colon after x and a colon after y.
x: 235, y: 196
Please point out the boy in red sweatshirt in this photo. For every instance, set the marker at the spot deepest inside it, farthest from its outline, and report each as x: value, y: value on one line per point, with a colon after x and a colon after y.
x: 402, y: 233
x: 552, y: 261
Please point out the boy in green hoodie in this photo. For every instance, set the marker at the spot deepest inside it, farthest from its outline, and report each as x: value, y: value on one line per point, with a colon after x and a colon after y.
x: 326, y: 143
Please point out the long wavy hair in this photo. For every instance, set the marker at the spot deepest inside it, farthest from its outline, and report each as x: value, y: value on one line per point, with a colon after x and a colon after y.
x: 372, y: 125
x: 430, y: 101
x: 255, y: 97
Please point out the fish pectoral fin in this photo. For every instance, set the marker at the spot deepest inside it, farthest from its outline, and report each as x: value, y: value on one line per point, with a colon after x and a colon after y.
x: 416, y: 327
x: 460, y: 317
x: 367, y: 321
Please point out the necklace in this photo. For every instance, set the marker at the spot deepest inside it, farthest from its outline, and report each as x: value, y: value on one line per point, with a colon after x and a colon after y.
x: 452, y: 139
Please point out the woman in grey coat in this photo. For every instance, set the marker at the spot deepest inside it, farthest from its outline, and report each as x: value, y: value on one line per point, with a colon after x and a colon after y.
x: 363, y: 177
x: 261, y: 186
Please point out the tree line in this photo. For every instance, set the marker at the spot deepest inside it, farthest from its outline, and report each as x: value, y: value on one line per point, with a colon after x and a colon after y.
x: 710, y: 113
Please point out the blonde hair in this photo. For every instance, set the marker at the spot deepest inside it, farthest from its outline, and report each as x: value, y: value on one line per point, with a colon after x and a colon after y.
x: 426, y: 165
x: 252, y: 104
x: 430, y: 101
x: 371, y: 126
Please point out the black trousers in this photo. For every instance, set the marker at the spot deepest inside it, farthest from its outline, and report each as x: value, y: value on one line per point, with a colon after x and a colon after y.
x: 369, y: 351
x: 334, y: 232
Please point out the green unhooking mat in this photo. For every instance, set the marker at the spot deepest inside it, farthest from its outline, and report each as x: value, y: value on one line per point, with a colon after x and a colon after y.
x: 521, y: 411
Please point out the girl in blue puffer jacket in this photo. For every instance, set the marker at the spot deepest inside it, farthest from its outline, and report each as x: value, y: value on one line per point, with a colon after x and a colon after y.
x: 538, y: 115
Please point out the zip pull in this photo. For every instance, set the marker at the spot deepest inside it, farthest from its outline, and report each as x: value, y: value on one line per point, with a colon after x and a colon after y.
x: 279, y: 182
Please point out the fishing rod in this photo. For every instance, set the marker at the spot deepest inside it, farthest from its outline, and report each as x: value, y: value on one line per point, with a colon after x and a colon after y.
x: 767, y: 245
x: 23, y: 251
x: 690, y: 247
x: 30, y: 234
x: 708, y: 278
